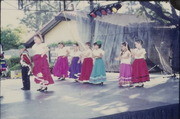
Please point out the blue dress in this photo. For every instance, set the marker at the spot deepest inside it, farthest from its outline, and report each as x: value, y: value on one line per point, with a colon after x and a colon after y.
x: 98, y: 74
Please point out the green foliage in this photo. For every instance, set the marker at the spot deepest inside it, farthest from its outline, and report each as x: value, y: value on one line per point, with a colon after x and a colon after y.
x: 10, y: 38
x: 53, y: 45
x: 13, y: 64
x: 129, y: 6
x: 157, y: 12
x: 13, y: 61
x: 69, y: 42
x: 38, y: 13
x: 15, y: 67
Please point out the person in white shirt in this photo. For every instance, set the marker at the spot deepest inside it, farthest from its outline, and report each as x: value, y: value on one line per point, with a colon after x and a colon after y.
x: 98, y: 75
x: 140, y: 71
x: 125, y: 69
x: 87, y: 64
x: 75, y: 66
x: 61, y: 67
x: 41, y: 69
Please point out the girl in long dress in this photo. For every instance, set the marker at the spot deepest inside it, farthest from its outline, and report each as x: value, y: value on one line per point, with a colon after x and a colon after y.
x: 140, y: 71
x: 41, y: 69
x: 125, y: 68
x: 75, y: 66
x: 98, y: 75
x: 61, y: 66
x: 87, y: 64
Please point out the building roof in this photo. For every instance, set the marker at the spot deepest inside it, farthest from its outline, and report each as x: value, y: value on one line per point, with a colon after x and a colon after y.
x: 46, y: 28
x: 116, y: 19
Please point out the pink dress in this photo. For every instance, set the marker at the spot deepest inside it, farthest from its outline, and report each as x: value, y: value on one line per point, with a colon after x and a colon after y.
x: 61, y: 66
x: 125, y: 69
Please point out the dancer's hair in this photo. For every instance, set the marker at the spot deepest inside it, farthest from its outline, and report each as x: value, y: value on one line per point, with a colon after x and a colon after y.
x: 39, y: 36
x: 139, y: 41
x: 99, y: 45
x: 88, y: 43
x: 76, y: 44
x: 61, y: 43
x: 126, y: 45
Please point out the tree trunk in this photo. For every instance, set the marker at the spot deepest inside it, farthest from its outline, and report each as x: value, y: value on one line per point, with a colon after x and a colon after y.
x: 157, y: 9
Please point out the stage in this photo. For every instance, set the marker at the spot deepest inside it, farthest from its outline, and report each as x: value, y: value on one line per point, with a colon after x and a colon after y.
x: 71, y: 100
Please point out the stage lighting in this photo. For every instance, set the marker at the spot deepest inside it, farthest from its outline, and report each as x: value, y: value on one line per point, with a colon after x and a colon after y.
x: 116, y: 7
x: 103, y: 11
x: 98, y: 13
x: 109, y: 9
x: 92, y: 14
x: 114, y: 10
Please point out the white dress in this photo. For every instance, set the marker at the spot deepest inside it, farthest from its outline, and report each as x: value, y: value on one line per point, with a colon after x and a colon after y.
x: 98, y: 52
x: 75, y: 54
x: 126, y: 60
x: 87, y: 53
x: 61, y: 52
x: 39, y: 48
x: 142, y: 53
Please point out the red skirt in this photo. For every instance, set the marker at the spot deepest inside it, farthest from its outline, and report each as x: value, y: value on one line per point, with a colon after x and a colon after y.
x: 86, y: 69
x: 140, y: 71
x: 41, y: 66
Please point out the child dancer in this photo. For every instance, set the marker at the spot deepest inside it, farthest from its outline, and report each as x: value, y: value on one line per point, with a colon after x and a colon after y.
x: 41, y: 67
x: 87, y: 63
x: 25, y: 62
x: 140, y: 72
x: 98, y: 75
x: 125, y: 68
x: 61, y: 66
x: 75, y: 67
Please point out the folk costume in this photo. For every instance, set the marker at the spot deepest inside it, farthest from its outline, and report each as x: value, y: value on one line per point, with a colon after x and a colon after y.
x: 26, y: 65
x: 140, y: 71
x: 98, y: 75
x: 61, y: 66
x: 41, y: 69
x: 75, y: 67
x: 125, y: 69
x: 87, y: 66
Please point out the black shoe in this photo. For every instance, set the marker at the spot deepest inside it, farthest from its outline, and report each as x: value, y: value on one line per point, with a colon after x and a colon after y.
x: 76, y: 80
x: 44, y: 90
x: 140, y: 86
x: 24, y: 89
x: 101, y: 83
x: 61, y: 79
x: 130, y: 85
x: 39, y: 89
x: 120, y: 86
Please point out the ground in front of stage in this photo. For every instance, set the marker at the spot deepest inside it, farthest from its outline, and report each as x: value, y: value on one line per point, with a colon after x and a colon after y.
x: 72, y: 100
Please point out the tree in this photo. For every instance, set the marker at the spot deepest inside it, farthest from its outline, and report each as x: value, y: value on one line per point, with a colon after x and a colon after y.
x: 156, y: 12
x: 10, y: 38
x: 38, y: 13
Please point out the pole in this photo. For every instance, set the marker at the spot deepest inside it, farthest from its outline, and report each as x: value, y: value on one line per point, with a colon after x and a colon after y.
x: 64, y: 5
x: 92, y: 22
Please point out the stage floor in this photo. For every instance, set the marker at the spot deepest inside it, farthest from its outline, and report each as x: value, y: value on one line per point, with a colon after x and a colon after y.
x: 71, y: 100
